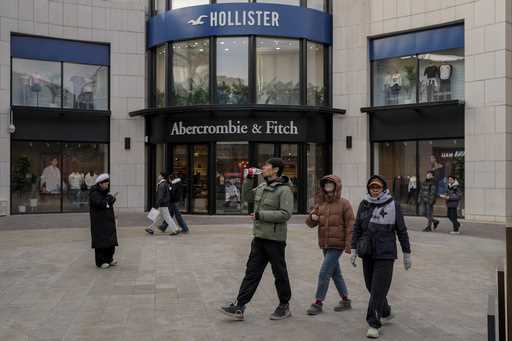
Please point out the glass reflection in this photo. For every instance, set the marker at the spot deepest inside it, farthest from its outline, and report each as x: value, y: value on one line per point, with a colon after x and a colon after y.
x: 191, y: 72
x: 232, y: 70
x: 85, y: 86
x: 175, y: 4
x: 316, y: 85
x: 161, y: 69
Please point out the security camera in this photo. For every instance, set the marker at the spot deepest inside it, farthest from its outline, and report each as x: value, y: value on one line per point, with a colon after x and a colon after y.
x: 12, y: 128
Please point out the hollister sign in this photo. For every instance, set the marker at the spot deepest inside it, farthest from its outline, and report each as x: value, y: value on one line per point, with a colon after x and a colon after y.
x: 237, y: 18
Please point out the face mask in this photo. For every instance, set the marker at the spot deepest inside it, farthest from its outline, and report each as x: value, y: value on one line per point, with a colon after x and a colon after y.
x: 329, y: 187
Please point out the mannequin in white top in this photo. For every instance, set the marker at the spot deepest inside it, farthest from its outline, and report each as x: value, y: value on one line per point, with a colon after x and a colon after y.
x: 50, y: 179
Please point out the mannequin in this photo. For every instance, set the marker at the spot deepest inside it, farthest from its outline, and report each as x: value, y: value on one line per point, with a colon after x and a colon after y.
x: 393, y: 86
x: 35, y: 85
x: 445, y: 74
x: 90, y: 179
x: 432, y: 74
x: 75, y: 180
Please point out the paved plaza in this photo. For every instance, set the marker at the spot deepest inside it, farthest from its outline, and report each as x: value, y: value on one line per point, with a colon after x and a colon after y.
x: 170, y: 288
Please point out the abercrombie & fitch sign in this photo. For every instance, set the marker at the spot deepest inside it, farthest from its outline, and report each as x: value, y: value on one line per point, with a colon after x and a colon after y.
x: 232, y: 127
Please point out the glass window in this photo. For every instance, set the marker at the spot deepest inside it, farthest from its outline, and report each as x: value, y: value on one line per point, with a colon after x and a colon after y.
x: 316, y: 85
x: 396, y: 162
x: 443, y: 158
x: 200, y: 178
x: 317, y: 4
x: 36, y: 83
x: 161, y: 70
x: 289, y: 154
x: 229, y: 1
x: 264, y: 151
x: 232, y: 70
x: 232, y: 159
x: 82, y: 163
x: 316, y: 156
x: 277, y: 74
x: 187, y: 3
x: 180, y: 168
x: 442, y: 76
x: 282, y: 2
x: 159, y: 6
x: 85, y: 86
x: 394, y: 81
x: 191, y: 72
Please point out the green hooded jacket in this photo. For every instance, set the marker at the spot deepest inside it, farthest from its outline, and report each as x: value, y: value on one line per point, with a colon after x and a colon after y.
x: 274, y: 204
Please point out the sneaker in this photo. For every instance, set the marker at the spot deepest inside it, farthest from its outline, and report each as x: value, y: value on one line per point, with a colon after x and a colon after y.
x: 113, y: 263
x: 427, y: 229
x: 233, y: 311
x: 315, y: 309
x: 455, y: 232
x: 282, y: 312
x: 149, y: 231
x: 436, y: 223
x: 105, y: 266
x: 373, y: 333
x: 174, y: 233
x: 343, y: 305
x: 387, y: 319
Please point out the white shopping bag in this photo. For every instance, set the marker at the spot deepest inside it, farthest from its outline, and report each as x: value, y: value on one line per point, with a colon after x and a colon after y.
x: 153, y: 214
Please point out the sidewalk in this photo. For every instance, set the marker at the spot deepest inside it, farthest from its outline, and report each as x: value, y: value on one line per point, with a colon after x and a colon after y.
x: 81, y: 220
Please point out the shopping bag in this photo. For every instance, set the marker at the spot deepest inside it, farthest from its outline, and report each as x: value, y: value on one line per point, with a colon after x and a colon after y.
x: 153, y: 214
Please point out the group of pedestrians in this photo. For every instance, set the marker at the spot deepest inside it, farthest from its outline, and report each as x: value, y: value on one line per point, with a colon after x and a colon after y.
x: 428, y: 196
x: 370, y: 235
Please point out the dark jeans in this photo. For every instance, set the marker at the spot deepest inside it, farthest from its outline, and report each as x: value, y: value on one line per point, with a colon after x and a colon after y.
x: 452, y: 215
x: 104, y: 255
x: 428, y: 211
x: 377, y: 276
x: 265, y: 251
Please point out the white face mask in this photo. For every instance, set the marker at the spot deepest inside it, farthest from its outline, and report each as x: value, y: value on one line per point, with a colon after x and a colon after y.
x: 329, y: 187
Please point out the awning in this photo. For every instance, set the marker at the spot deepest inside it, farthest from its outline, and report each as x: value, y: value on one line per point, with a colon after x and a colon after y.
x: 433, y: 120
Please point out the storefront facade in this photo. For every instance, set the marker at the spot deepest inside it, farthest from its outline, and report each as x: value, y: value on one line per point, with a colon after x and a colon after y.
x: 232, y: 85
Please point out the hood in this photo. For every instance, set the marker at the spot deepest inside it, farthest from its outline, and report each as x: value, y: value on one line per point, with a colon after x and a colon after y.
x: 283, y: 180
x: 376, y: 177
x: 334, y: 179
x: 96, y: 188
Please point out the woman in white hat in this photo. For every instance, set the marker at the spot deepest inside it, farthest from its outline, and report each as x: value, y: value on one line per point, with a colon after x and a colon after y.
x: 103, y: 222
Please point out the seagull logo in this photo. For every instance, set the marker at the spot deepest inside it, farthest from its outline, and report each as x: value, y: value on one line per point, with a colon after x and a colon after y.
x: 198, y: 21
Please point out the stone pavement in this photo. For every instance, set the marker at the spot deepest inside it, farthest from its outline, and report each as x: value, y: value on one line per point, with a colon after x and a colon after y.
x: 169, y: 288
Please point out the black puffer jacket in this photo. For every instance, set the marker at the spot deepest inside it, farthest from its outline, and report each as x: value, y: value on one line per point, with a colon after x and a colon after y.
x: 383, y: 221
x: 103, y: 221
x: 163, y: 194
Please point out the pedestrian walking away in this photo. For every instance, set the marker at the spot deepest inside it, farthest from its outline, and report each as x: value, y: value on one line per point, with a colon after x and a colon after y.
x: 379, y: 222
x: 162, y: 204
x: 103, y: 222
x: 273, y: 207
x: 176, y: 192
x: 427, y: 198
x: 334, y: 217
x: 453, y: 196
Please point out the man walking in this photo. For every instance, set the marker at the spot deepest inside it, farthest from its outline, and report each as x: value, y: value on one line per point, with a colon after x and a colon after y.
x: 273, y: 207
x: 162, y: 203
x: 428, y: 194
x: 176, y: 193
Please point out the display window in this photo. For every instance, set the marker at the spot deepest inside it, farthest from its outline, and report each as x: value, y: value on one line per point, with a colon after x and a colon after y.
x: 233, y: 70
x: 232, y: 158
x: 175, y: 4
x: 315, y: 77
x: 394, y: 81
x: 161, y: 70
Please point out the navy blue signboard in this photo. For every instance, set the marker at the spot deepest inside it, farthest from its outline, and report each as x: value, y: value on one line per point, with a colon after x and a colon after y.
x: 240, y: 20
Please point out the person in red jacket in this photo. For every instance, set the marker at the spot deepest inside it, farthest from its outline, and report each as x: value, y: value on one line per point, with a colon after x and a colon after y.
x: 334, y: 217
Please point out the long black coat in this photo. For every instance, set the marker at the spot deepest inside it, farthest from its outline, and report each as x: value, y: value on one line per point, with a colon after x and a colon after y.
x: 103, y: 221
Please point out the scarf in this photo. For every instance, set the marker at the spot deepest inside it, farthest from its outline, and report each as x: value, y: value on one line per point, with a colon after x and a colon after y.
x: 381, y: 199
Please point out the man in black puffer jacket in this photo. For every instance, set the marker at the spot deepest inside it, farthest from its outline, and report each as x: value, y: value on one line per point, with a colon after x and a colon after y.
x: 379, y: 221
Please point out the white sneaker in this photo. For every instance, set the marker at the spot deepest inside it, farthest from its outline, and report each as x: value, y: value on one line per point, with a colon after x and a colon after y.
x: 105, y: 266
x: 113, y: 263
x: 455, y: 232
x: 373, y: 333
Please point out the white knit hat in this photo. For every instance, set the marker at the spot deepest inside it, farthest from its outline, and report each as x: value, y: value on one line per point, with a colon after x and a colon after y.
x: 102, y: 177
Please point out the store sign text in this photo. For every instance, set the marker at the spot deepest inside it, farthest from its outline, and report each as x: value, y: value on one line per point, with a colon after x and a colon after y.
x: 235, y: 128
x: 238, y: 18
x: 452, y: 155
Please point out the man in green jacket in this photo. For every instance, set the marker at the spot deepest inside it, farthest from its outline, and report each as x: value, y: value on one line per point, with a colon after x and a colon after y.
x: 273, y: 207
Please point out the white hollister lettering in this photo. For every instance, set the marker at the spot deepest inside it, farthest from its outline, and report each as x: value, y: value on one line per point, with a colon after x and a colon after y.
x: 243, y: 18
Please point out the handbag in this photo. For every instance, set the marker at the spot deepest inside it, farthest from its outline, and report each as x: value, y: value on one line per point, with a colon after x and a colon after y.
x: 153, y: 214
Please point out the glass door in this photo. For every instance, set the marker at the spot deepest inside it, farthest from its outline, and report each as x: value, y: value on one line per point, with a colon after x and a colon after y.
x: 180, y: 168
x: 289, y: 154
x: 199, y: 202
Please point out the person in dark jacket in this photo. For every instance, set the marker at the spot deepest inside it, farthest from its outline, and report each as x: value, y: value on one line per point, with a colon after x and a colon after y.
x: 176, y: 193
x: 162, y: 204
x: 103, y: 222
x: 378, y: 222
x: 334, y: 217
x: 427, y: 199
x: 453, y: 196
x: 273, y: 207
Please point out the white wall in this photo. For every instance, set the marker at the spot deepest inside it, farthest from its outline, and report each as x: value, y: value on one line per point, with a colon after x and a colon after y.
x: 120, y: 23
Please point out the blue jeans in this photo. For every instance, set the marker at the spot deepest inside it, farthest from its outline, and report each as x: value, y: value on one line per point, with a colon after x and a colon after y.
x: 331, y: 269
x: 175, y: 212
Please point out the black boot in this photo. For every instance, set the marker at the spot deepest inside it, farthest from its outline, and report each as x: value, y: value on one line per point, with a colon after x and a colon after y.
x: 427, y: 229
x: 436, y: 223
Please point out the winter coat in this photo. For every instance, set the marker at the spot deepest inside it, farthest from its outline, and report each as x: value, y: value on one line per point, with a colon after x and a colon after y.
x: 176, y: 191
x: 428, y: 192
x: 383, y: 221
x: 273, y: 206
x: 163, y: 194
x: 103, y: 222
x: 336, y: 218
x: 454, y: 195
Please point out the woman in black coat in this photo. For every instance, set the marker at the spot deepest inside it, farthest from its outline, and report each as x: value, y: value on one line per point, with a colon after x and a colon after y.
x: 378, y: 223
x: 103, y: 222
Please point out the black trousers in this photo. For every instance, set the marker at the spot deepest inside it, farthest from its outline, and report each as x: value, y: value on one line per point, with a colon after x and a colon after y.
x: 377, y: 276
x: 452, y: 215
x: 104, y: 255
x: 265, y: 251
